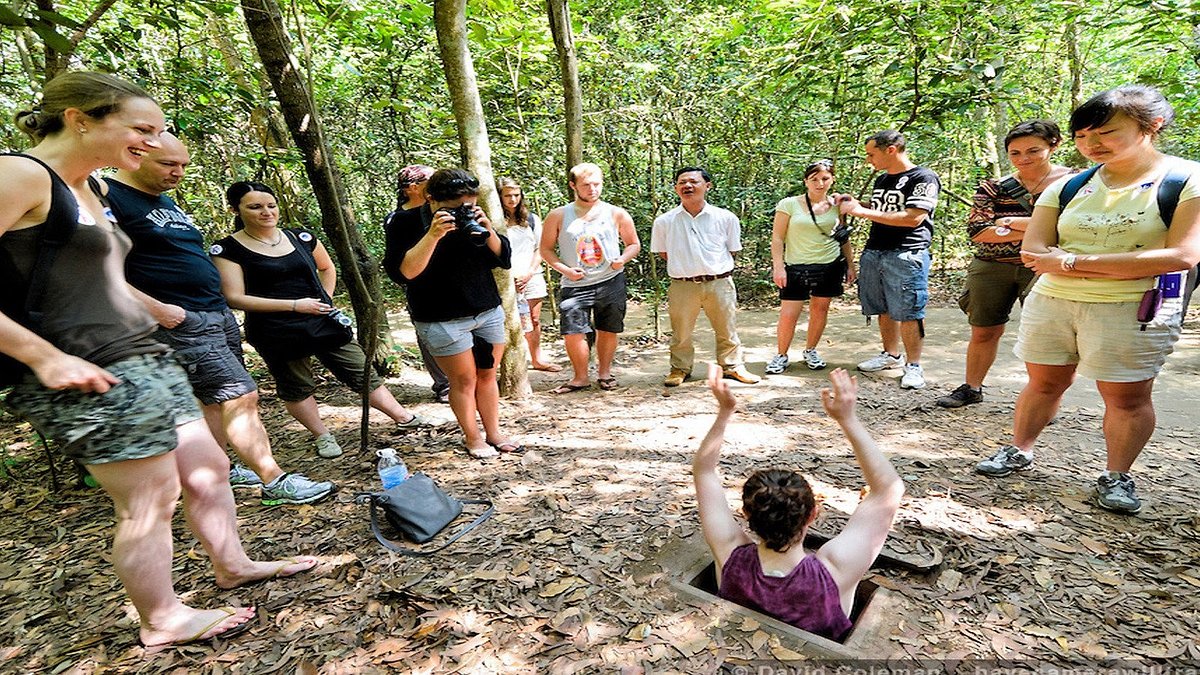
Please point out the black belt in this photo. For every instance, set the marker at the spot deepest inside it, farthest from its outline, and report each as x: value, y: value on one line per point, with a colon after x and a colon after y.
x: 705, y: 277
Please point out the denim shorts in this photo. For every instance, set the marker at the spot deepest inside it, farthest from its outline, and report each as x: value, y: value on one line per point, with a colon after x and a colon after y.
x: 447, y: 338
x: 603, y: 302
x: 134, y: 419
x: 895, y: 283
x: 209, y: 347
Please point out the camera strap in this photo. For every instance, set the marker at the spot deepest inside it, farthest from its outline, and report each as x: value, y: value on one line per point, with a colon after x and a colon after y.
x: 813, y: 214
x: 305, y: 253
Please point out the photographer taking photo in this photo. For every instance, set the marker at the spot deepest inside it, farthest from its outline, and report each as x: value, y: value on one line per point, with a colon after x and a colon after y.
x: 444, y: 253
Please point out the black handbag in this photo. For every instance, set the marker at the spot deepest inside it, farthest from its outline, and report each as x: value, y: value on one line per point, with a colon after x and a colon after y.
x: 418, y: 509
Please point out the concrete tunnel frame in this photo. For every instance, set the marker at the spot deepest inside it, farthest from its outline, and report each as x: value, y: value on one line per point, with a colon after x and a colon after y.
x: 689, y: 567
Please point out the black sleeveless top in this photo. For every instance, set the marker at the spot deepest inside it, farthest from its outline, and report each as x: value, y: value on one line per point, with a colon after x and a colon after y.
x: 88, y: 310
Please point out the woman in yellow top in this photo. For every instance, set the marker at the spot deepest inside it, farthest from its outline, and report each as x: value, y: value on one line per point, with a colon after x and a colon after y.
x: 807, y: 263
x: 1107, y: 260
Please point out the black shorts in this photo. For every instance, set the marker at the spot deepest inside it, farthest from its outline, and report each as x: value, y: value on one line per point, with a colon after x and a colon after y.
x: 601, y: 306
x: 823, y: 280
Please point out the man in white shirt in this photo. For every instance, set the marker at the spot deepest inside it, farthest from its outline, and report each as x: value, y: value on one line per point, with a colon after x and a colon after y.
x: 698, y: 241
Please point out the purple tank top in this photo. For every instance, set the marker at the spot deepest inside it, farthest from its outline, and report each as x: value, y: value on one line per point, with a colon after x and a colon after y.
x: 807, y: 598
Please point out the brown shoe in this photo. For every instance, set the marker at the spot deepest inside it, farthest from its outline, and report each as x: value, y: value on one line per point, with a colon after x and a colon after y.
x: 676, y: 377
x: 742, y: 375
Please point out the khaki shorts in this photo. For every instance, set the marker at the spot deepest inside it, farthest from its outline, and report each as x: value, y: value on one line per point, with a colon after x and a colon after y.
x: 1104, y: 339
x: 134, y: 419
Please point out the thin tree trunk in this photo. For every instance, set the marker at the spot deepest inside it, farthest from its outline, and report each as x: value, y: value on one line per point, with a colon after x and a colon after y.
x: 359, y: 269
x: 450, y: 19
x: 57, y: 61
x: 564, y: 43
x: 1070, y: 36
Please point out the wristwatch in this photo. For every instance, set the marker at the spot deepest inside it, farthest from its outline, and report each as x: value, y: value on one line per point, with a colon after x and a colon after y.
x: 1002, y: 228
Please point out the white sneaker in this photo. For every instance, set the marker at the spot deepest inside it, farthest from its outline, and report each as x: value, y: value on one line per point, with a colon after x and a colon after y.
x: 881, y: 361
x: 327, y: 446
x: 813, y: 359
x: 777, y: 365
x: 914, y: 377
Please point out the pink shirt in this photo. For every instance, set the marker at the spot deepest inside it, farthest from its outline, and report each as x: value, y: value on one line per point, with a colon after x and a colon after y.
x: 806, y: 598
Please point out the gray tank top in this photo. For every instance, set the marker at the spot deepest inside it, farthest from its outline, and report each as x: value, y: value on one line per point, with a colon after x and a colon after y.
x: 589, y: 243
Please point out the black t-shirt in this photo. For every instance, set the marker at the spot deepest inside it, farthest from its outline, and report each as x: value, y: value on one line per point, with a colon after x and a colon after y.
x: 283, y: 335
x: 168, y: 261
x: 916, y: 188
x: 458, y: 280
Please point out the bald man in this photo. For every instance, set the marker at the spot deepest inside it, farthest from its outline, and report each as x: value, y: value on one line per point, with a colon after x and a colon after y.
x: 170, y: 272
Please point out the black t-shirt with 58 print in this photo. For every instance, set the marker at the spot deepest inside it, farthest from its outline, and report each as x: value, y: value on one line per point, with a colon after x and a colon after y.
x: 917, y: 188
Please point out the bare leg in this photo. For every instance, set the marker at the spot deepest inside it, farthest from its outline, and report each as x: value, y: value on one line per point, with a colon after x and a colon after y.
x: 306, y: 413
x: 144, y: 494
x: 242, y: 428
x: 460, y: 368
x: 981, y: 352
x: 1128, y: 420
x: 382, y: 400
x: 487, y: 398
x: 889, y: 333
x: 534, y: 339
x: 785, y: 330
x: 211, y: 513
x: 910, y: 333
x: 1038, y: 402
x: 818, y: 316
x: 606, y: 350
x: 578, y: 352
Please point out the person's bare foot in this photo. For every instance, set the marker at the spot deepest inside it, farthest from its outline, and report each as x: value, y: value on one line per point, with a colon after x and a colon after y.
x: 548, y: 367
x: 266, y: 569
x: 195, y: 625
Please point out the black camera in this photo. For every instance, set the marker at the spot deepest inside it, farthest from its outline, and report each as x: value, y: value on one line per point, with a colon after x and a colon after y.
x: 464, y: 221
x: 841, y: 233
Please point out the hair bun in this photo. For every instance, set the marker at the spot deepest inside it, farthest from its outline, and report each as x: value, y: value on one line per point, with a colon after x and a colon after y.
x: 28, y: 120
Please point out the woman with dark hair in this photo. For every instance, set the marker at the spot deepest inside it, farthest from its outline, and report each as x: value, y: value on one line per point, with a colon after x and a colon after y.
x: 525, y: 232
x: 444, y: 253
x: 283, y: 278
x: 775, y: 575
x: 807, y: 263
x: 996, y: 278
x: 410, y: 191
x: 1108, y: 301
x: 99, y: 385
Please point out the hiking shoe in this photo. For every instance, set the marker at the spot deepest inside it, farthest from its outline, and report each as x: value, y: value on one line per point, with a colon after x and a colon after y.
x: 964, y: 395
x: 416, y: 422
x: 914, y: 377
x: 327, y: 446
x: 241, y: 477
x: 295, y: 488
x: 813, y: 359
x: 881, y: 361
x: 778, y: 364
x: 1006, y: 460
x: 742, y: 375
x: 676, y: 377
x: 1116, y: 493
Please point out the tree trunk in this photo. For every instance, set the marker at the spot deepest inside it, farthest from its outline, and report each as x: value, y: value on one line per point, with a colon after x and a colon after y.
x: 359, y: 269
x: 1070, y: 36
x: 564, y: 43
x: 450, y: 19
x: 58, y: 60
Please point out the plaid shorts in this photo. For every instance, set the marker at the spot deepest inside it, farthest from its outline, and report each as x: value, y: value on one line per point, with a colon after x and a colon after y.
x: 134, y: 419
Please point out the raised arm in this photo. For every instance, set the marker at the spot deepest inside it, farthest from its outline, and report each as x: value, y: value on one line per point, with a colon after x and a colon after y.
x: 416, y: 259
x: 721, y: 530
x: 849, y: 555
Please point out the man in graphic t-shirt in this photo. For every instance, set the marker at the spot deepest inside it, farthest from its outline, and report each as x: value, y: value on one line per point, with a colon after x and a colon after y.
x: 171, y: 273
x: 893, y: 277
x: 582, y: 241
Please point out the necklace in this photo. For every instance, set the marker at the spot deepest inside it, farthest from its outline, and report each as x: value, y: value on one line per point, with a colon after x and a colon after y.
x: 278, y: 238
x: 1034, y: 190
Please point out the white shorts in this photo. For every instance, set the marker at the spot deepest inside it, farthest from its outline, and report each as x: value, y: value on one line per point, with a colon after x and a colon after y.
x: 1104, y: 339
x: 536, y: 288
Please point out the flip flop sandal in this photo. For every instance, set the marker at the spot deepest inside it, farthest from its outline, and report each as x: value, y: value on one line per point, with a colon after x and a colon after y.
x: 567, y: 388
x: 199, y: 636
x: 508, y: 447
x: 607, y: 383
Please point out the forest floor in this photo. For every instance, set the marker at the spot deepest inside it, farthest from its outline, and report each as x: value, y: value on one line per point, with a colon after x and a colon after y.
x: 564, y: 577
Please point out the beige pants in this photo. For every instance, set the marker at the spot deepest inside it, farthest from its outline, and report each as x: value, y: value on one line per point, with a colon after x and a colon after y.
x: 718, y: 299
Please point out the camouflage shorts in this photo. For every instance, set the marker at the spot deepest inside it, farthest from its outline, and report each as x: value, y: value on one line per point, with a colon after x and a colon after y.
x: 134, y: 419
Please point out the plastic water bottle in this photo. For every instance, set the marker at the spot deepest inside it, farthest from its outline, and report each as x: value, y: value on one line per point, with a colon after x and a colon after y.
x: 392, y: 471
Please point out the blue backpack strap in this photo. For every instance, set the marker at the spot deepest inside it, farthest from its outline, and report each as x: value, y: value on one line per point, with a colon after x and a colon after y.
x: 1168, y: 193
x: 1074, y: 185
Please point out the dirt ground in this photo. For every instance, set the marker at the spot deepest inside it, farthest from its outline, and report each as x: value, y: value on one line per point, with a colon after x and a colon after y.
x: 564, y: 577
